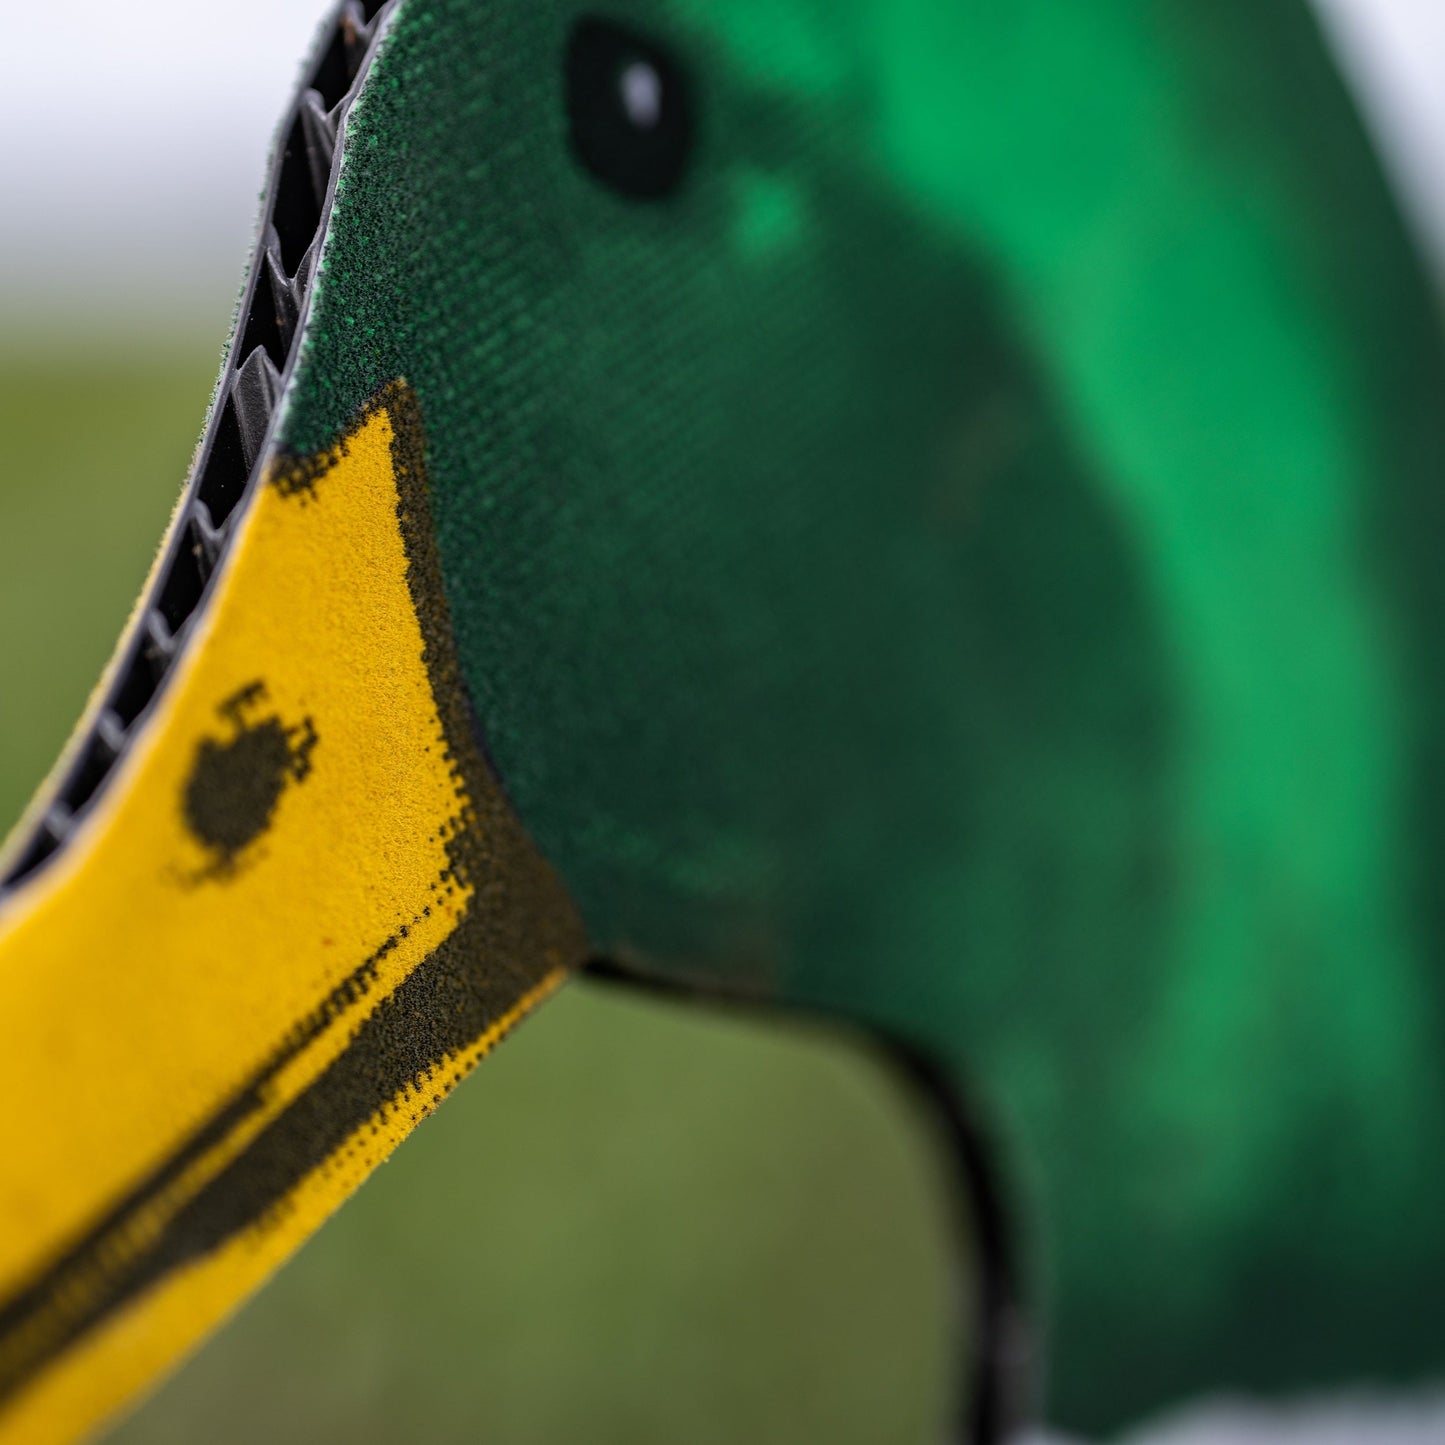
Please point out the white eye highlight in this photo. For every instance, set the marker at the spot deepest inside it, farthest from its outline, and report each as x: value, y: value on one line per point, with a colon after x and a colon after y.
x: 641, y: 88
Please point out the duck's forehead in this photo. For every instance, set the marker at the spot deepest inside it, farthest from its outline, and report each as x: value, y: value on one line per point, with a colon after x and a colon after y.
x: 464, y: 223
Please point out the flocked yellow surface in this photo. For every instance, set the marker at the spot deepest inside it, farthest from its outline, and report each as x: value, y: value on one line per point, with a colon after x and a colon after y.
x: 220, y: 966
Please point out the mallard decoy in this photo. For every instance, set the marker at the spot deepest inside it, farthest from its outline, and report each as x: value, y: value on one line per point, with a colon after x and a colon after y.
x: 924, y: 514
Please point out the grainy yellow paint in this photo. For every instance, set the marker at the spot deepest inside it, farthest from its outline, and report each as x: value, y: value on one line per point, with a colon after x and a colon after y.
x: 139, y: 987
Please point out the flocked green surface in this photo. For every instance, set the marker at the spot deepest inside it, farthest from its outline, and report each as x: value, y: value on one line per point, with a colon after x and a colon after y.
x: 968, y: 560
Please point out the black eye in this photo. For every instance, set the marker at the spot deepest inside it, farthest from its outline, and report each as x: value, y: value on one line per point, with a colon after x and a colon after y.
x: 629, y: 109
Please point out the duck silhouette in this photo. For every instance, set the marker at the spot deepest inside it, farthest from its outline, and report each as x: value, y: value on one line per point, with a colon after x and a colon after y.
x: 920, y: 514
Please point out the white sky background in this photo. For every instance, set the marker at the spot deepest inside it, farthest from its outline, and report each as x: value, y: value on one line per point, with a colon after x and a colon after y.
x: 136, y: 137
x: 136, y: 140
x: 1394, y: 51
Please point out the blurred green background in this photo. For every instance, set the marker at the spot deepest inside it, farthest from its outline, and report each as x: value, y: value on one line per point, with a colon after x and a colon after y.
x: 639, y: 1221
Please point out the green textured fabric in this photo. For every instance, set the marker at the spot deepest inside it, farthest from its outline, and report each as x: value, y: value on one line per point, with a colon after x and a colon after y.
x: 966, y: 561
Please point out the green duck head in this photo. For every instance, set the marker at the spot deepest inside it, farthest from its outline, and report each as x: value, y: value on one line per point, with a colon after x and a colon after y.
x: 918, y: 513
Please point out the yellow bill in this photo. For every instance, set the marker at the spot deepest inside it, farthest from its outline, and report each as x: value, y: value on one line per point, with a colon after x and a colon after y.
x: 296, y: 913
